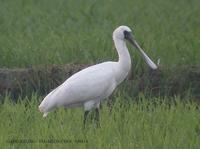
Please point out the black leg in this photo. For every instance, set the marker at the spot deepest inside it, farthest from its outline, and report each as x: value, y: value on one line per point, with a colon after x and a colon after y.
x: 97, y: 117
x: 85, y: 117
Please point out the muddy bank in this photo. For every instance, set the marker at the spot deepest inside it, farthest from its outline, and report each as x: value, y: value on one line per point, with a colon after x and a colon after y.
x: 162, y: 82
x: 22, y: 82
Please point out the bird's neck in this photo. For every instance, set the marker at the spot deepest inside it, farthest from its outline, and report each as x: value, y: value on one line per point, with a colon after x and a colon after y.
x: 124, y: 58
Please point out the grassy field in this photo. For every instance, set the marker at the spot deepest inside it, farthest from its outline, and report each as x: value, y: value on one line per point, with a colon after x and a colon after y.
x: 142, y: 124
x: 38, y: 33
x: 47, y: 32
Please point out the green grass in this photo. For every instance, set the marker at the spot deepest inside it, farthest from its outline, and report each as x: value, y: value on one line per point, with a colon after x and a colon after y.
x: 36, y: 32
x: 148, y: 124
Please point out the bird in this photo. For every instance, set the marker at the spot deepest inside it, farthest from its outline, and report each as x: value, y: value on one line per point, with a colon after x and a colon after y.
x: 88, y: 87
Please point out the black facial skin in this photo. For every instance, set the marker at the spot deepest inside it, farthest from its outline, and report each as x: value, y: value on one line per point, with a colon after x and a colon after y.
x: 127, y: 35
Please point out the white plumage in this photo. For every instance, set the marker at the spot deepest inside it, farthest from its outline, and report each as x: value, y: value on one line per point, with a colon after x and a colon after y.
x: 90, y: 85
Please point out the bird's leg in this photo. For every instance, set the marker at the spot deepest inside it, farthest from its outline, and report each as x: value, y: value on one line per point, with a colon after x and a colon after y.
x: 97, y: 117
x: 85, y: 117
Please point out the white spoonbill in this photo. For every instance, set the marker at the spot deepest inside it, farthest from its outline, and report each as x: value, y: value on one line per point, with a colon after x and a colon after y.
x: 89, y: 86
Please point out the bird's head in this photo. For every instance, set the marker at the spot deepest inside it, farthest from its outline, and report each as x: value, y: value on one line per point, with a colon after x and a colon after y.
x: 46, y: 106
x: 121, y: 32
x: 125, y: 33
